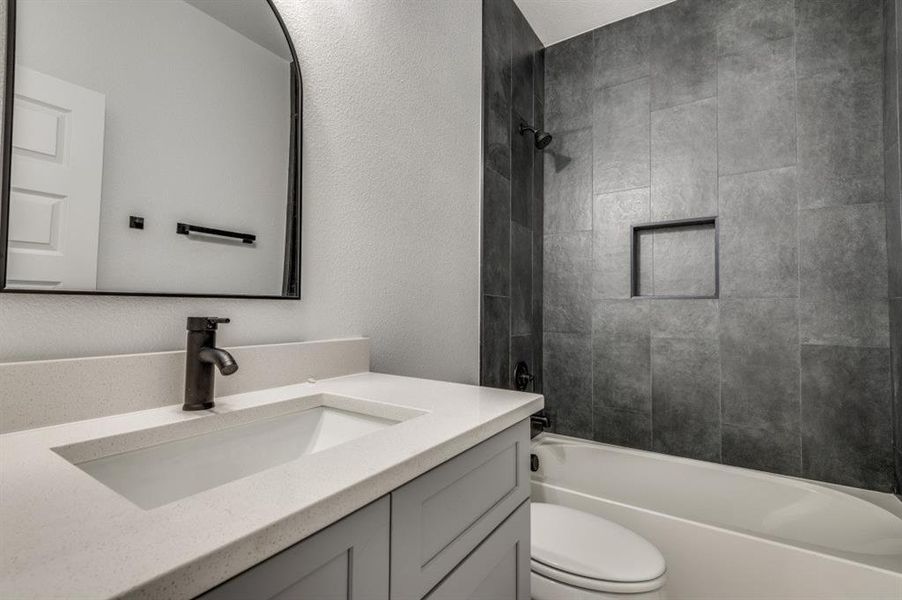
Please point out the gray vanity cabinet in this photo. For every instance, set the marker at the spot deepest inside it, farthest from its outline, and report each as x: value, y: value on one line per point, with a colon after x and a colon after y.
x: 442, y: 516
x: 497, y: 570
x: 346, y: 561
x: 457, y: 532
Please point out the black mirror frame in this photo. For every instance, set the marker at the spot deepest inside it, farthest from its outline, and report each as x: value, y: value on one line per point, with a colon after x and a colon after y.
x: 292, y: 269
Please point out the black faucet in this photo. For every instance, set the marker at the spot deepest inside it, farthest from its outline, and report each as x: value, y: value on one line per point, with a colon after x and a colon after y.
x: 200, y: 356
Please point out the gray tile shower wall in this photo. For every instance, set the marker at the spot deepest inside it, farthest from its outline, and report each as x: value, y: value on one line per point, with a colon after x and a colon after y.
x: 513, y: 190
x: 769, y: 115
x: 892, y: 141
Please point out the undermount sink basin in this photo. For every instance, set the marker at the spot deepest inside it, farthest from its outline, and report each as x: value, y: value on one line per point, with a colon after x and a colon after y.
x: 159, y: 474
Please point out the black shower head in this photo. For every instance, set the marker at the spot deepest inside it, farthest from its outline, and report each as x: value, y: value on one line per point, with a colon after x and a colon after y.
x: 542, y: 138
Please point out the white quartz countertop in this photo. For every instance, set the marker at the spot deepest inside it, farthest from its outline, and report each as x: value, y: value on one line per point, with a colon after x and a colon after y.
x: 65, y: 535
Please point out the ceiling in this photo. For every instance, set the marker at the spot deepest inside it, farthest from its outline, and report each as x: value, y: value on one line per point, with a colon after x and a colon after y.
x: 557, y: 20
x: 254, y: 20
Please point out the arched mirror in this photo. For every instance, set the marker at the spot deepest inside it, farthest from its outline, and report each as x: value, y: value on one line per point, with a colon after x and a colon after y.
x: 151, y: 147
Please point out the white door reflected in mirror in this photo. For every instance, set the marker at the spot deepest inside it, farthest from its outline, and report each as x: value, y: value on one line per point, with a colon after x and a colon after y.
x: 57, y: 171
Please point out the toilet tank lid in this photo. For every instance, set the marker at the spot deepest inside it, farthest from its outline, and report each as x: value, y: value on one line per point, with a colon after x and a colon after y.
x: 587, y: 545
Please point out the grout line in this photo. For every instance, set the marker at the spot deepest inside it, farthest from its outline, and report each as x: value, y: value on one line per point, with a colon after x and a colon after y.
x: 599, y: 88
x: 651, y: 354
x: 510, y: 202
x: 795, y: 66
x: 717, y: 214
x: 755, y: 171
x: 834, y: 206
x: 681, y: 104
x: 592, y: 249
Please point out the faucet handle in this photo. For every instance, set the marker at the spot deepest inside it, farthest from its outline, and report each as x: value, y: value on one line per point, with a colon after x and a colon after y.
x: 205, y: 323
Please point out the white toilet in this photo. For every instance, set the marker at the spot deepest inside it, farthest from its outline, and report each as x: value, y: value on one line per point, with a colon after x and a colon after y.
x: 580, y: 556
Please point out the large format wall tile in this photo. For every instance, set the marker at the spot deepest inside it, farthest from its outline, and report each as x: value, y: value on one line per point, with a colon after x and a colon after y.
x: 843, y: 252
x: 622, y: 427
x: 620, y: 134
x: 893, y: 206
x: 568, y: 182
x: 686, y: 397
x: 497, y: 25
x: 523, y: 46
x: 567, y: 302
x: 521, y: 280
x: 895, y: 317
x: 686, y: 319
x: 538, y: 319
x: 683, y: 52
x: 846, y: 435
x: 538, y: 225
x: 756, y: 108
x: 613, y: 216
x: 847, y: 322
x: 568, y: 382
x: 568, y: 252
x: 621, y: 350
x: 538, y: 60
x: 744, y: 23
x: 759, y: 347
x: 759, y: 249
x: 622, y: 51
x: 839, y: 35
x: 567, y: 285
x: 891, y: 80
x: 684, y: 161
x: 496, y: 74
x: 840, y: 127
x: 496, y: 250
x: 839, y: 60
x: 762, y: 449
x: 522, y: 164
x: 495, y: 341
x: 568, y: 84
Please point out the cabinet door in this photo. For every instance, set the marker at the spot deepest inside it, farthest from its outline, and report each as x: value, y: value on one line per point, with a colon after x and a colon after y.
x: 497, y: 570
x: 346, y: 561
x: 440, y: 517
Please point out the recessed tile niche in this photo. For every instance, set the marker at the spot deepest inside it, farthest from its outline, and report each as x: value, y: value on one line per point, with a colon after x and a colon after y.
x: 675, y: 259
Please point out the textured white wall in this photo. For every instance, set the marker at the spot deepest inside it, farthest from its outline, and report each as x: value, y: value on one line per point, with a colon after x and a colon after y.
x: 392, y: 144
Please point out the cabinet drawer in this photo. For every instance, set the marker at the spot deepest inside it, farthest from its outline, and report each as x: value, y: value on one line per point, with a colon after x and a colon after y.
x: 440, y: 517
x: 497, y: 570
x: 347, y: 560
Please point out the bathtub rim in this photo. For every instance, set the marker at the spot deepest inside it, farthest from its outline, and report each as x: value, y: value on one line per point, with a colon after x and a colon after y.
x: 888, y: 501
x: 882, y: 500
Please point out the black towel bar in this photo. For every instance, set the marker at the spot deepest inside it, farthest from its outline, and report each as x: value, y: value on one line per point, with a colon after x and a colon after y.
x: 185, y: 229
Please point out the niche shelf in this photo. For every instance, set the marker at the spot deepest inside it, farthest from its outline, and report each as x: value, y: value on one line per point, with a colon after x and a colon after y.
x: 675, y: 259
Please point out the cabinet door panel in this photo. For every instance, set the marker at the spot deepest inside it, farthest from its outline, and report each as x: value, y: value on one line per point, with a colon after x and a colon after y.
x: 348, y: 560
x: 497, y: 570
x: 328, y: 582
x: 440, y: 517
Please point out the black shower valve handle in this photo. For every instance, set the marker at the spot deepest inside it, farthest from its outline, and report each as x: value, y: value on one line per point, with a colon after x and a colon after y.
x: 522, y: 376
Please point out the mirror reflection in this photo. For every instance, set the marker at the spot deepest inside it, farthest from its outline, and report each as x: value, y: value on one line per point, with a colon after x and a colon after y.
x: 154, y: 149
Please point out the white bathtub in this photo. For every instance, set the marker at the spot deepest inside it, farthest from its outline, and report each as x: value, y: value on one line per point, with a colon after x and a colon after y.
x: 728, y: 532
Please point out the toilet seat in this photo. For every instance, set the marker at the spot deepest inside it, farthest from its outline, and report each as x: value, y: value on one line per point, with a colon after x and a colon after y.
x: 596, y: 585
x: 578, y: 549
